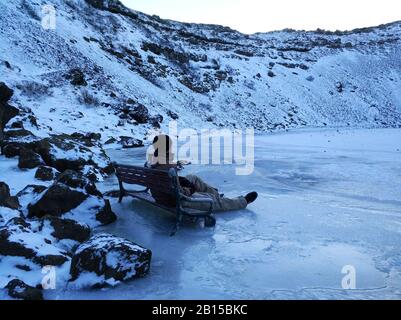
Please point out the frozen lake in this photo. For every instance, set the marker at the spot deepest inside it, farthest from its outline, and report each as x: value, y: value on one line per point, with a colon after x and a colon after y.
x: 327, y: 199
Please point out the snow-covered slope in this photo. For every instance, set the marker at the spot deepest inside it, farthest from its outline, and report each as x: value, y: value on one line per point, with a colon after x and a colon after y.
x: 208, y: 75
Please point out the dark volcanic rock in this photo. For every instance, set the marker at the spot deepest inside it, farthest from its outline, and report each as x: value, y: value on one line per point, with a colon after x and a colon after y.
x: 11, y: 150
x: 77, y: 77
x: 6, y: 200
x: 18, y: 289
x: 56, y: 201
x: 45, y: 173
x: 106, y: 215
x: 172, y: 115
x: 5, y: 92
x: 111, y: 258
x: 11, y: 202
x: 156, y: 121
x: 7, y: 112
x: 68, y: 229
x: 76, y: 180
x: 65, y: 152
x: 29, y: 159
x: 140, y: 114
x: 130, y: 142
x: 31, y: 189
x: 17, y: 239
x: 4, y: 191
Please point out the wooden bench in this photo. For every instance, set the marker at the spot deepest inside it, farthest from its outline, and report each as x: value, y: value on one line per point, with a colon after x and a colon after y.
x: 166, y: 182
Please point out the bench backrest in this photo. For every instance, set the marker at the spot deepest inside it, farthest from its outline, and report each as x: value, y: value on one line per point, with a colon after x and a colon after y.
x: 158, y: 180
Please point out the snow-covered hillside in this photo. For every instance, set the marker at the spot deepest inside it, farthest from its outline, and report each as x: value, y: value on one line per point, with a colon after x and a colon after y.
x: 206, y: 75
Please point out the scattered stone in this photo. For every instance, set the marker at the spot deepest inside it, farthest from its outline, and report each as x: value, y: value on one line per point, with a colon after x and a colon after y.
x: 76, y: 77
x: 172, y: 115
x: 156, y: 121
x: 106, y: 215
x: 5, y: 92
x: 29, y: 159
x: 140, y: 114
x: 19, y: 240
x: 4, y: 191
x: 68, y: 229
x: 111, y: 259
x: 57, y: 200
x: 18, y: 289
x: 339, y: 87
x: 310, y: 78
x: 45, y: 173
x: 6, y: 200
x: 75, y: 180
x: 111, y: 141
x: 130, y: 142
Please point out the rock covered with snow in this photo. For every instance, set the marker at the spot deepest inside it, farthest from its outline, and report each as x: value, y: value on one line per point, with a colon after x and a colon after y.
x: 67, y: 229
x: 45, y: 173
x: 57, y: 200
x: 106, y: 259
x: 7, y: 112
x: 61, y: 200
x: 130, y: 142
x: 61, y: 152
x: 18, y: 289
x: 6, y: 200
x: 19, y: 238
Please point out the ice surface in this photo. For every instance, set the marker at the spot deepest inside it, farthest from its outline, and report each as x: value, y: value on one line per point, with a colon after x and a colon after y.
x: 327, y: 199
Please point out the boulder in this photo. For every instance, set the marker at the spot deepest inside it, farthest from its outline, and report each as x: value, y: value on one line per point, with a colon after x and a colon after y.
x: 18, y: 289
x: 29, y: 159
x: 57, y: 200
x: 111, y: 259
x: 156, y: 121
x: 68, y: 229
x: 65, y: 152
x: 6, y: 200
x: 19, y: 135
x: 4, y: 191
x: 7, y: 112
x: 19, y: 240
x: 172, y: 115
x: 11, y: 150
x: 76, y: 77
x: 76, y: 180
x: 6, y: 214
x: 11, y: 202
x: 45, y: 173
x: 130, y: 142
x: 106, y: 215
x: 140, y: 114
x: 5, y: 92
x: 29, y: 194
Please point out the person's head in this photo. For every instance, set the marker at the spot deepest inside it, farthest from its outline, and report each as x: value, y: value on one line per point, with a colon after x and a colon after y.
x: 163, y: 146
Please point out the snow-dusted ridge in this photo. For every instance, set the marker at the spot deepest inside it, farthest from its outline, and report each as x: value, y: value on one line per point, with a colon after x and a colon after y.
x: 208, y: 75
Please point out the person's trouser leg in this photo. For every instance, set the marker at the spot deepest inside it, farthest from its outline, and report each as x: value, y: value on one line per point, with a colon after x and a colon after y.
x: 201, y: 186
x: 202, y: 190
x: 219, y: 203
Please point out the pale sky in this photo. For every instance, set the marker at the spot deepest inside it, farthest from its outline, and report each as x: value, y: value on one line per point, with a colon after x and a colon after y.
x: 250, y: 16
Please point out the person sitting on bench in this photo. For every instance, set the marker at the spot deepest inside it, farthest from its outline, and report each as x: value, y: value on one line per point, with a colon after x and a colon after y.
x: 191, y: 185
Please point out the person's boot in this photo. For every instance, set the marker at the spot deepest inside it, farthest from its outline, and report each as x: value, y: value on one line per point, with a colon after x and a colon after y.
x: 251, y: 197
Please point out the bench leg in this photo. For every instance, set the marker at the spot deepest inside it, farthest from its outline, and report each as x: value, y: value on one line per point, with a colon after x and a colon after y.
x: 210, y: 221
x: 122, y: 194
x: 177, y: 225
